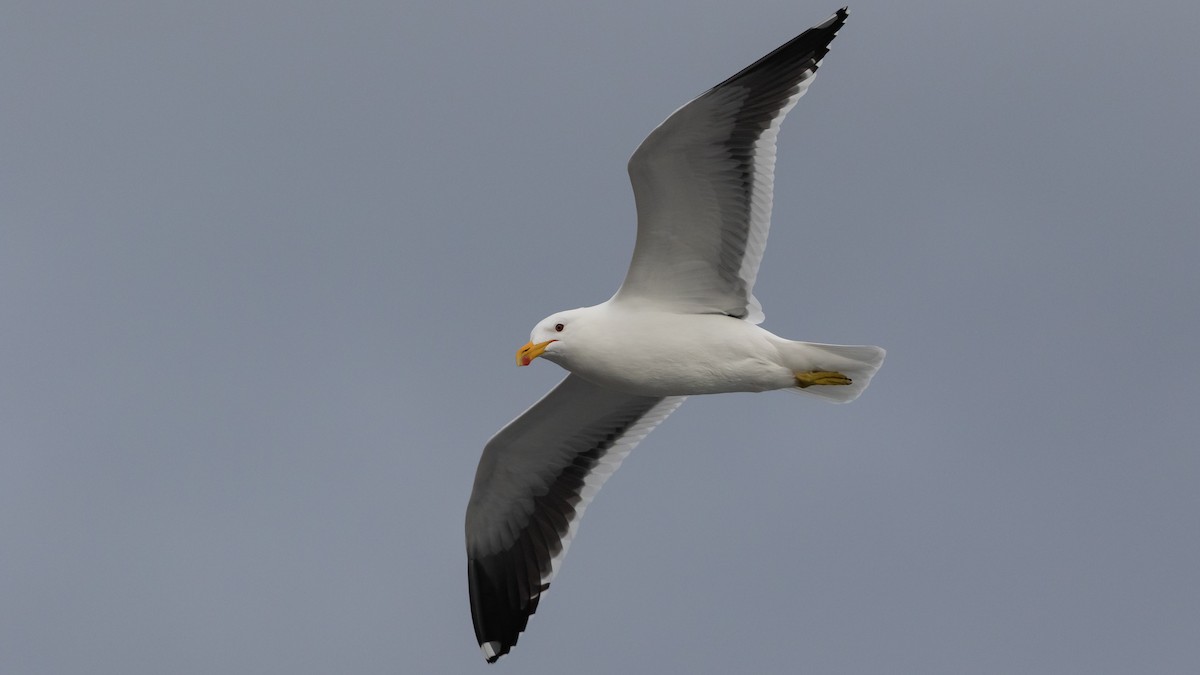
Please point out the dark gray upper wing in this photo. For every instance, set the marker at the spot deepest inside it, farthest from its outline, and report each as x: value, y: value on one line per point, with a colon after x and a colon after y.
x: 535, y: 478
x: 703, y: 182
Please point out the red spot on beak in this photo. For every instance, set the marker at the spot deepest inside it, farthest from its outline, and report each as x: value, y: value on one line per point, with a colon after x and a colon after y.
x: 526, y: 354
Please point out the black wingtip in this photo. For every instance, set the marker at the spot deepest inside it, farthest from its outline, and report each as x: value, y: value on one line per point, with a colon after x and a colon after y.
x: 499, y: 615
x: 485, y: 616
x: 838, y: 18
x: 490, y: 652
x: 834, y: 22
x: 803, y: 51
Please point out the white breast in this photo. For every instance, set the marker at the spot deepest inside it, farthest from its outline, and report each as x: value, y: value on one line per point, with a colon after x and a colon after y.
x: 660, y: 354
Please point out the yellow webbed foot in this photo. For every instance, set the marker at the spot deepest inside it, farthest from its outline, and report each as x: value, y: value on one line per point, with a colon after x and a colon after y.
x: 820, y: 377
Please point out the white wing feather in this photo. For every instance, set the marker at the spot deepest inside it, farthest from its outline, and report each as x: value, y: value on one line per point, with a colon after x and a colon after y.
x: 703, y: 183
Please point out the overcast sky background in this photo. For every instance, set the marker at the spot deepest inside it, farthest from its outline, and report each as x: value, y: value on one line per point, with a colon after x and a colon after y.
x: 264, y: 266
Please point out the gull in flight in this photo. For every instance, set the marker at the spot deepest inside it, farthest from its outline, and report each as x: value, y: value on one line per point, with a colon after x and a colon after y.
x: 684, y: 322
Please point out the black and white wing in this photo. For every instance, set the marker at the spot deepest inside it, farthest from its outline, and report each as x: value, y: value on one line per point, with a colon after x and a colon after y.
x: 703, y: 182
x: 535, y: 478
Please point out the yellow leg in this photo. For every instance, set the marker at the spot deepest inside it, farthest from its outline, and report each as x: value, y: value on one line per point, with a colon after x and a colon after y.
x: 820, y: 377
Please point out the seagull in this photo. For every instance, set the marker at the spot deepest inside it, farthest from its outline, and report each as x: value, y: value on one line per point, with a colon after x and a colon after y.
x: 684, y: 322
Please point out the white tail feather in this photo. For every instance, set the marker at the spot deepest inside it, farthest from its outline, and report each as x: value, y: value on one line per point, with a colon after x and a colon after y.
x: 858, y: 362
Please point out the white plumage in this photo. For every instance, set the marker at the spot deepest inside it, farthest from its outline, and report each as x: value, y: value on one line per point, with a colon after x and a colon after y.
x: 684, y: 322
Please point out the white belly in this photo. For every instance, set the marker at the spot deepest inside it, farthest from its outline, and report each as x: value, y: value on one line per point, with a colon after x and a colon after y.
x: 680, y: 355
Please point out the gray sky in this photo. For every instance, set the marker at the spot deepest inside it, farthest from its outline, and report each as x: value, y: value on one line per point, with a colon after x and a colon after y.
x: 264, y: 265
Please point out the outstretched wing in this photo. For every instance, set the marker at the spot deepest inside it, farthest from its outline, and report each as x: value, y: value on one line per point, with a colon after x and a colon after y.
x: 703, y: 182
x: 535, y: 478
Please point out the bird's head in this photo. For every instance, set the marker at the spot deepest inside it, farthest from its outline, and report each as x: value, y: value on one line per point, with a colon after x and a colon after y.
x: 551, y: 337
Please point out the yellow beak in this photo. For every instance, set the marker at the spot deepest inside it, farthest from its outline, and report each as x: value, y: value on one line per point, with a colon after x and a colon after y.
x: 526, y: 354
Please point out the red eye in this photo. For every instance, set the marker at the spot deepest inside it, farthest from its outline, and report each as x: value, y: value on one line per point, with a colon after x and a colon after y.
x: 558, y: 327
